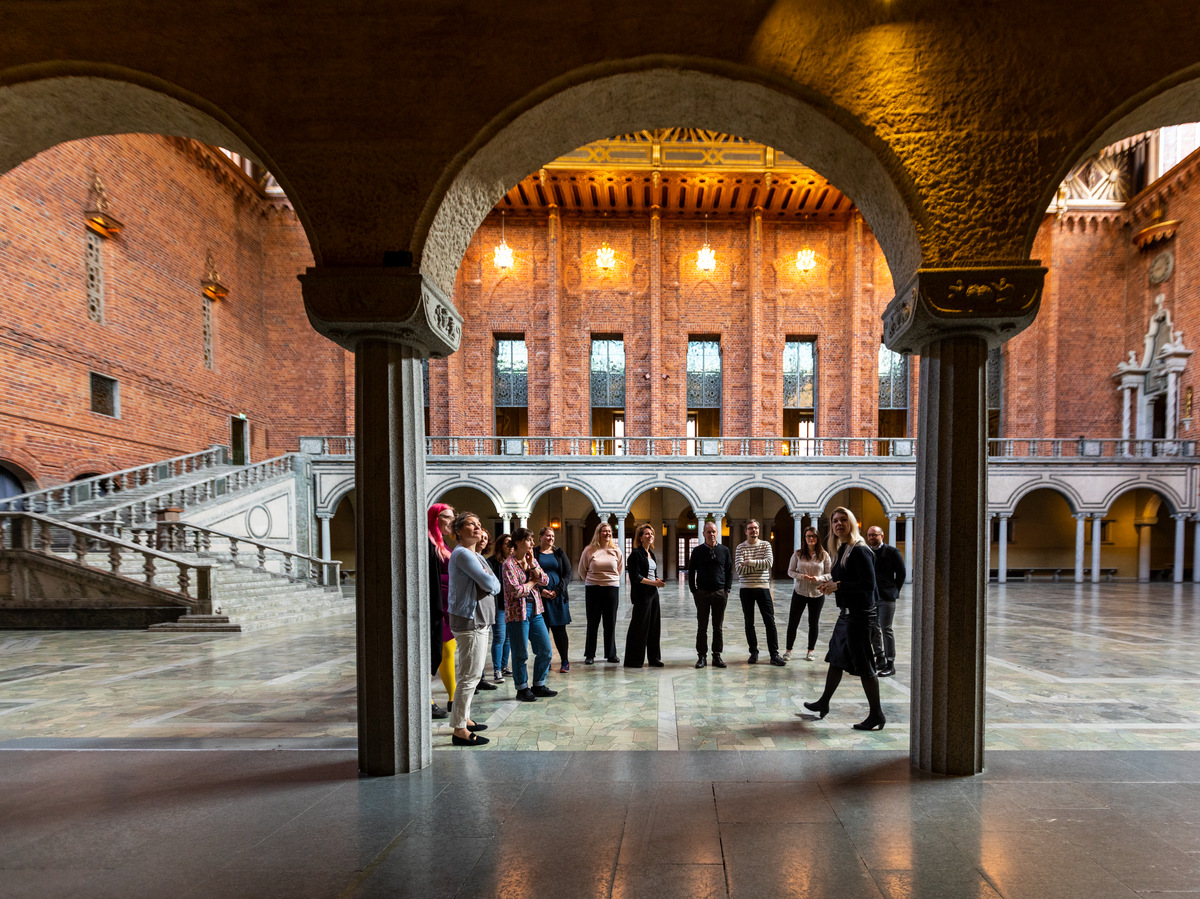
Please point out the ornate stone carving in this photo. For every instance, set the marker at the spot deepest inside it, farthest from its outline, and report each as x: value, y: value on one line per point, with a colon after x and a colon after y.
x: 349, y: 305
x: 994, y: 301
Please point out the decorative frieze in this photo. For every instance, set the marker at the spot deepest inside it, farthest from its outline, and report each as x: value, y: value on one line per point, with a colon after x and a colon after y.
x: 350, y: 304
x: 993, y: 301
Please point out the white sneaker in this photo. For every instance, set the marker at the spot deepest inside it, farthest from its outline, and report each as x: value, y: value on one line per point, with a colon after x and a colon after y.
x: 497, y: 677
x: 809, y: 657
x: 787, y: 655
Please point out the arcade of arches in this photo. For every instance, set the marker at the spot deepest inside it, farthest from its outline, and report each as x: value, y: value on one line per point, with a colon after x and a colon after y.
x: 996, y: 215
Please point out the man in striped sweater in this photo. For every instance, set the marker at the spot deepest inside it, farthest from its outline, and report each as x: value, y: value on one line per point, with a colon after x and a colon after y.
x: 753, y: 561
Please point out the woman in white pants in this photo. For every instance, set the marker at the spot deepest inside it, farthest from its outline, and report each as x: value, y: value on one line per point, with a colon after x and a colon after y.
x: 472, y: 608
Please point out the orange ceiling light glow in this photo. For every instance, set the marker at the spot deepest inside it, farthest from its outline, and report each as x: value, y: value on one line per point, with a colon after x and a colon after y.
x: 503, y: 254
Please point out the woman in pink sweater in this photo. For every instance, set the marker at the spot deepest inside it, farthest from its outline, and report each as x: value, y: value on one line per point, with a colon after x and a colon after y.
x: 601, y: 568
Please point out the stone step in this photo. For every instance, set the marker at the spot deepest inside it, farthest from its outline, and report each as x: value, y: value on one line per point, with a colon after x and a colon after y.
x: 218, y: 623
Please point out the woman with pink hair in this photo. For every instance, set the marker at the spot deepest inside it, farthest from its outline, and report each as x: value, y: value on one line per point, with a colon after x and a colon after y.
x: 441, y: 640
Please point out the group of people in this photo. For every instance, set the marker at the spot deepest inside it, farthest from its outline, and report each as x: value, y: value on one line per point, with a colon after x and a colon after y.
x: 517, y: 597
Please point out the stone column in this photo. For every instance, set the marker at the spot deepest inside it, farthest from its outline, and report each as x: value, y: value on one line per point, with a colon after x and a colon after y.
x: 671, y: 551
x: 392, y: 318
x: 797, y: 531
x: 1143, y: 531
x: 1196, y: 550
x: 910, y: 539
x: 1097, y: 535
x: 1002, y: 550
x: 891, y: 517
x: 718, y: 519
x: 523, y: 519
x: 951, y: 316
x: 1080, y: 544
x: 506, y: 524
x: 326, y: 547
x: 621, y: 516
x: 1180, y: 519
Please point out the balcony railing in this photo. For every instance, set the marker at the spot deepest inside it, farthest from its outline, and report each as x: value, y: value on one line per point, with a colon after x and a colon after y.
x: 783, y: 448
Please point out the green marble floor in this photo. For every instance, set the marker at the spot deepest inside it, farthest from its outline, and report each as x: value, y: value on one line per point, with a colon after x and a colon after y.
x: 1113, y: 666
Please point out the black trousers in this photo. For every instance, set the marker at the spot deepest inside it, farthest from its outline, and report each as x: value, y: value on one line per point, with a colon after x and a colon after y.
x: 600, y: 605
x: 752, y: 597
x: 645, y: 628
x: 883, y: 638
x: 710, y: 602
x: 561, y: 641
x: 799, y: 603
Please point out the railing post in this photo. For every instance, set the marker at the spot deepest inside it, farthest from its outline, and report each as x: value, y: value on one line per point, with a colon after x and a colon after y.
x: 204, y: 589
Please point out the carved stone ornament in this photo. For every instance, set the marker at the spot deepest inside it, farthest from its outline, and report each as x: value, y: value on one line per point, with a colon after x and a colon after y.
x: 349, y: 305
x: 993, y: 301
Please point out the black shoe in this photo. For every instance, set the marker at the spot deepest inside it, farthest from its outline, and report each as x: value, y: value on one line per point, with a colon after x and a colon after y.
x: 507, y: 672
x: 613, y: 660
x: 627, y: 665
x: 817, y: 707
x: 702, y: 661
x: 439, y: 713
x: 718, y: 662
x: 526, y: 695
x: 473, y: 740
x: 484, y: 685
x: 659, y: 664
x: 753, y: 660
x: 450, y: 706
x: 588, y: 660
x: 544, y: 691
x: 872, y: 723
x: 777, y: 660
x: 474, y: 727
x: 888, y: 671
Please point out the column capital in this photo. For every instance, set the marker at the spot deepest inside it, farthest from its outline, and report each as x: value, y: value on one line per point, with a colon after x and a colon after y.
x: 797, y: 516
x: 325, y: 515
x: 351, y: 304
x: 1181, y: 516
x: 992, y: 300
x: 1081, y: 516
x: 892, y: 516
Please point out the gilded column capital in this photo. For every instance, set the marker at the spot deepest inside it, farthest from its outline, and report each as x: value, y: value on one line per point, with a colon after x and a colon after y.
x: 994, y: 301
x: 399, y: 305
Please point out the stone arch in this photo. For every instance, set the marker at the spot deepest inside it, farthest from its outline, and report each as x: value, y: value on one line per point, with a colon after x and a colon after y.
x: 679, y: 486
x: 435, y: 488
x: 541, y: 488
x: 23, y: 467
x: 1066, y: 491
x: 590, y: 104
x: 1174, y: 502
x: 49, y: 104
x: 1173, y: 100
x: 78, y: 469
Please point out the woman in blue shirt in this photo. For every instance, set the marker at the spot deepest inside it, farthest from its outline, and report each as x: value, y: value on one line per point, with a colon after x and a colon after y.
x: 553, y: 561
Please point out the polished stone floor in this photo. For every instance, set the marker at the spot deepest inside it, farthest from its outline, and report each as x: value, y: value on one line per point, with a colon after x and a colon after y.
x: 131, y: 766
x: 1114, y: 666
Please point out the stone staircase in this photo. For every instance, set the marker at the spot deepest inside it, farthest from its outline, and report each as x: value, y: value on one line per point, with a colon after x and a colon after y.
x: 253, y: 586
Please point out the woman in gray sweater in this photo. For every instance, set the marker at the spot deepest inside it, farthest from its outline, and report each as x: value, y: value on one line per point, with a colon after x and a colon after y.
x: 471, y: 604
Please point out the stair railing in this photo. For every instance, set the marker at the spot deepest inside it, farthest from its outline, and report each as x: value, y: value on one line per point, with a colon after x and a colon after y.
x: 41, y: 534
x: 115, y: 520
x: 179, y: 536
x: 65, y: 496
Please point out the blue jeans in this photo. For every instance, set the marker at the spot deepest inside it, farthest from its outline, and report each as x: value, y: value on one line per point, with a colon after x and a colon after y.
x: 500, y: 647
x: 531, y: 630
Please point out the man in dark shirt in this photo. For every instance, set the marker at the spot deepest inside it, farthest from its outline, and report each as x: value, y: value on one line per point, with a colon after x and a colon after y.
x: 710, y: 574
x: 889, y: 578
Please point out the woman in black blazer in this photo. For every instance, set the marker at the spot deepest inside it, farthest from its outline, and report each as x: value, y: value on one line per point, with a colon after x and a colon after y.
x: 645, y: 619
x: 853, y: 582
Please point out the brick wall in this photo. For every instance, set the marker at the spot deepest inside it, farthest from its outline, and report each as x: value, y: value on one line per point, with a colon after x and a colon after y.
x: 178, y: 202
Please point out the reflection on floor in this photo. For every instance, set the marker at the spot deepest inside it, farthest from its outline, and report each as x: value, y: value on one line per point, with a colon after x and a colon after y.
x: 1092, y: 667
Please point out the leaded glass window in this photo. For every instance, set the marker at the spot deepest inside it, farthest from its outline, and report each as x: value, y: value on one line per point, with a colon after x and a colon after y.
x: 608, y: 373
x: 704, y: 374
x: 799, y: 374
x: 95, y: 277
x: 893, y: 379
x: 512, y: 372
x: 105, y: 396
x: 207, y: 329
